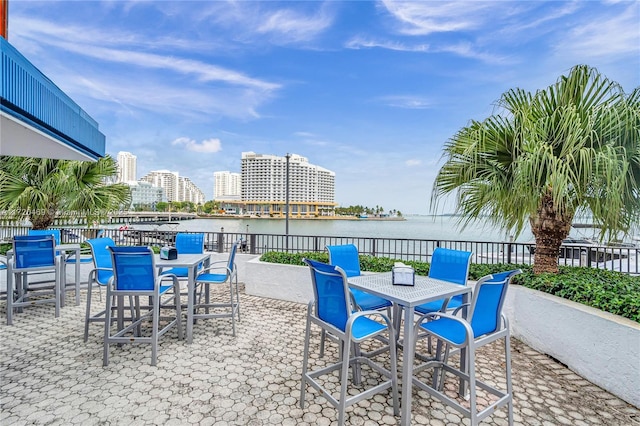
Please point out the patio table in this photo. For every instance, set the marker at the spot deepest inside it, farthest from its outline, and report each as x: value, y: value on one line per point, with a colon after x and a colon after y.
x: 406, y: 298
x: 191, y: 262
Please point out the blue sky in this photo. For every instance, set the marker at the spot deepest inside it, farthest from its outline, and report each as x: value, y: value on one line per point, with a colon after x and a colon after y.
x: 370, y: 90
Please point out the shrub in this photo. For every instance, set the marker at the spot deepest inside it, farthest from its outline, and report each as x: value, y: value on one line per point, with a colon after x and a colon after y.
x: 608, y: 291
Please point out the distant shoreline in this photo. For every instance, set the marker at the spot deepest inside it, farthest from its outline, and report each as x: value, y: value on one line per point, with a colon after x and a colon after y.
x: 239, y: 216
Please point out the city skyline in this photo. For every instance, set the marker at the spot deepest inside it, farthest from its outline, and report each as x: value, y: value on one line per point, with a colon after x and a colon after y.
x: 370, y: 90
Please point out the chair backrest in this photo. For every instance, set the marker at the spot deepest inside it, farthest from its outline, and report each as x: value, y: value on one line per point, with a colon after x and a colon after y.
x: 133, y: 268
x: 488, y: 299
x: 346, y: 257
x: 332, y: 300
x: 54, y: 232
x: 231, y: 263
x: 450, y: 265
x: 34, y: 251
x: 102, y: 257
x: 189, y: 243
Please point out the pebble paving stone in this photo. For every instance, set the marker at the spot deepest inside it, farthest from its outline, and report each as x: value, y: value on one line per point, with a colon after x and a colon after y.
x: 49, y: 376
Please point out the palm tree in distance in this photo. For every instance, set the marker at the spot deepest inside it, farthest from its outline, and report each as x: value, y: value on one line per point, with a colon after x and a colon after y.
x: 572, y: 148
x: 42, y: 189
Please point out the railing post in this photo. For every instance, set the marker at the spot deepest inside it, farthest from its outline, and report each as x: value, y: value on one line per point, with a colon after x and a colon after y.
x: 221, y: 241
x: 252, y: 244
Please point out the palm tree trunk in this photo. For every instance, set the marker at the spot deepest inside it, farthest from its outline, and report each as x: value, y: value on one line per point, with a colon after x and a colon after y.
x: 549, y: 228
x: 41, y: 221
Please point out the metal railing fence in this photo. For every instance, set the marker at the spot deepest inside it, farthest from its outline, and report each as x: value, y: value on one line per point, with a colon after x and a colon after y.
x: 623, y: 259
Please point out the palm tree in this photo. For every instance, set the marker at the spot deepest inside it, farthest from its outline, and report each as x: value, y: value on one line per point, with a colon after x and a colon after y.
x: 571, y: 148
x: 43, y: 189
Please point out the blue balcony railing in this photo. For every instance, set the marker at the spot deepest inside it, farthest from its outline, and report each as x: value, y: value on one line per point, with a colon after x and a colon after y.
x: 28, y: 95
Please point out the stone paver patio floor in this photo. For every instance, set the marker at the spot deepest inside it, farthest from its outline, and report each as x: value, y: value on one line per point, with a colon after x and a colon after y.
x: 48, y: 375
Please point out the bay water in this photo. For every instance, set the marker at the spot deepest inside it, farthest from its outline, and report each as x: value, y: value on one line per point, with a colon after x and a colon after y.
x: 413, y: 227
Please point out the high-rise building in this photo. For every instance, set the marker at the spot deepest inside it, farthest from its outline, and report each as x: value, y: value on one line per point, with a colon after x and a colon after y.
x: 176, y: 188
x: 264, y: 185
x: 166, y: 180
x: 188, y: 191
x: 226, y: 185
x: 126, y: 167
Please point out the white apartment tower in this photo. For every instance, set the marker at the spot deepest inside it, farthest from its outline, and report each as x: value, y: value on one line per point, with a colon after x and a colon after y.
x: 226, y: 186
x: 263, y: 187
x: 166, y: 180
x: 176, y: 188
x: 188, y: 191
x: 126, y: 167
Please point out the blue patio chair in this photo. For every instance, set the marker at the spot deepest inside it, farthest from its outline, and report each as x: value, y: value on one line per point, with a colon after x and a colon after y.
x: 487, y: 324
x: 33, y: 254
x: 68, y: 259
x: 187, y: 243
x: 219, y: 273
x: 332, y: 310
x: 346, y: 257
x: 135, y: 274
x: 99, y: 276
x: 447, y: 265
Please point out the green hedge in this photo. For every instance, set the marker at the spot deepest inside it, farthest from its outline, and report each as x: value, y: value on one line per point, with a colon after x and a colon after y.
x: 608, y: 291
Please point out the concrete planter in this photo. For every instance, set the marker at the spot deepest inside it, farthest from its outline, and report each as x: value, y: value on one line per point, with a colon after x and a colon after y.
x: 601, y: 347
x: 278, y: 281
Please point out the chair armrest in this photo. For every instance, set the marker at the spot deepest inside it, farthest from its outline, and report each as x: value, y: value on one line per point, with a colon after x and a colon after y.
x: 464, y: 305
x: 435, y: 316
x: 100, y: 269
x: 431, y: 316
x: 359, y: 314
x: 94, y: 272
x: 214, y: 268
x: 164, y: 277
x: 505, y: 320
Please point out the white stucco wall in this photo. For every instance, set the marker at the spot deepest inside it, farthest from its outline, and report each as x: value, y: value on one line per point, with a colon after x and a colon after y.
x: 277, y: 281
x: 601, y: 347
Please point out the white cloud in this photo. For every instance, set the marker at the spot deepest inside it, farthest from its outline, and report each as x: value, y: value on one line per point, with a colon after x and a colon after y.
x: 155, y: 82
x: 409, y: 101
x: 294, y: 26
x: 207, y: 146
x: 608, y: 36
x: 468, y: 50
x: 413, y: 162
x: 421, y: 18
x: 360, y: 42
x: 256, y: 22
x: 203, y: 71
